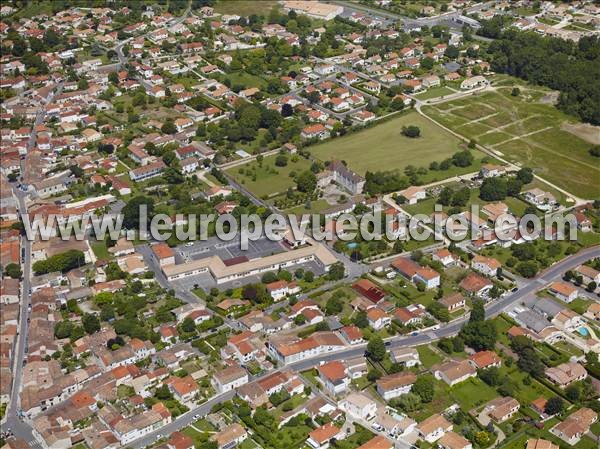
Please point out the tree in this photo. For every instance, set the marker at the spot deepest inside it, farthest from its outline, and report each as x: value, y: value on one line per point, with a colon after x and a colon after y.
x: 408, y: 402
x: 462, y: 158
x: 91, y: 323
x: 306, y: 181
x: 573, y: 392
x: 337, y: 271
x: 527, y: 269
x: 493, y: 189
x: 376, y: 349
x: 525, y: 175
x: 60, y: 262
x: 361, y: 320
x: 490, y: 376
x: 595, y: 151
x: 13, y: 270
x: 63, y: 329
x: 445, y: 196
x: 515, y: 92
x: 479, y: 335
x: 168, y: 127
x: 287, y: 110
x: 131, y: 211
x: 513, y: 187
x: 424, y: 387
x: 554, y: 406
x: 281, y: 160
x: 482, y: 438
x: 411, y: 131
x: 333, y: 306
x: 477, y: 311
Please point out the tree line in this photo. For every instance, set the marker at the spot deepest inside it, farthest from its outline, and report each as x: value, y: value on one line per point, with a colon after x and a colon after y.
x: 571, y: 68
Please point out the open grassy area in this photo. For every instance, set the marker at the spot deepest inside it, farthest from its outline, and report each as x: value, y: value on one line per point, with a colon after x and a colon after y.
x: 383, y: 147
x: 264, y: 179
x: 435, y: 92
x: 527, y: 131
x: 244, y: 7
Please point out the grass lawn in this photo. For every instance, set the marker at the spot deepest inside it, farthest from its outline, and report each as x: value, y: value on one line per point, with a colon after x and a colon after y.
x: 244, y: 7
x: 538, y: 140
x: 472, y: 393
x: 428, y: 356
x: 441, y: 401
x: 383, y: 147
x: 315, y: 208
x: 197, y: 437
x: 435, y: 93
x: 266, y: 179
x: 101, y: 251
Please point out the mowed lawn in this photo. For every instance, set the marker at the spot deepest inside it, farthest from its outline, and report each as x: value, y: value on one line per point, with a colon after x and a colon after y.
x: 383, y: 147
x: 245, y: 7
x: 267, y: 179
x: 527, y: 132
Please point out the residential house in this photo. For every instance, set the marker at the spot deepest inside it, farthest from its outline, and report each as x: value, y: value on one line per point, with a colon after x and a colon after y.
x: 334, y: 377
x: 321, y: 436
x: 359, y: 405
x: 394, y: 385
x: 566, y: 373
x: 502, y: 408
x: 575, y: 426
x: 453, y: 302
x: 433, y: 428
x: 454, y: 372
x: 230, y: 378
x: 563, y: 291
x: 486, y: 265
x: 485, y: 359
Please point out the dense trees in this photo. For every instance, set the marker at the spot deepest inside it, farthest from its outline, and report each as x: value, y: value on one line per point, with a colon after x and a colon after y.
x: 131, y: 211
x: 478, y: 333
x: 306, y: 181
x: 13, y: 270
x: 529, y: 361
x: 571, y: 68
x: 376, y: 349
x: 60, y: 262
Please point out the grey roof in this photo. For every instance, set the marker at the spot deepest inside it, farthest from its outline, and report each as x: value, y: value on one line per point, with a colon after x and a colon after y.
x: 452, y: 66
x: 544, y: 306
x: 532, y: 320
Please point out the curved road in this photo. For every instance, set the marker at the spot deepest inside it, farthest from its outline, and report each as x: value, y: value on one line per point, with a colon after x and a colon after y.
x: 550, y: 274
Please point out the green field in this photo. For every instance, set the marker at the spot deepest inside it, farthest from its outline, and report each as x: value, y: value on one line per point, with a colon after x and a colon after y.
x: 244, y: 7
x: 267, y: 179
x: 524, y: 131
x: 383, y: 147
x: 435, y: 92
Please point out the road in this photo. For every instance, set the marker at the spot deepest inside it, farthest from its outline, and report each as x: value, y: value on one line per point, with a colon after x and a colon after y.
x: 550, y: 274
x: 447, y: 19
x: 19, y: 428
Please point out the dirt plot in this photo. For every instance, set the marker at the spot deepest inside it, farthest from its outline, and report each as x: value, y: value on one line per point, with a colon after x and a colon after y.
x: 585, y: 131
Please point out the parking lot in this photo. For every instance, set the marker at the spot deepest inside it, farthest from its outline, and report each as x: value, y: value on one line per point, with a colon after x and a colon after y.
x: 227, y: 251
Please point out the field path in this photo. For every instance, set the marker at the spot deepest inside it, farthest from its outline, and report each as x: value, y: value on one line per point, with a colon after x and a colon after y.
x: 578, y: 200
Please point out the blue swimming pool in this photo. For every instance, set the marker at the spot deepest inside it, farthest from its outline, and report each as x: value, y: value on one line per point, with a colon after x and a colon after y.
x: 583, y: 331
x: 352, y: 245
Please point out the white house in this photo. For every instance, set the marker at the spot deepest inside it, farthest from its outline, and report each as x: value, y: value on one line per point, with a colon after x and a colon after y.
x: 230, y: 378
x: 359, y: 406
x: 394, y: 385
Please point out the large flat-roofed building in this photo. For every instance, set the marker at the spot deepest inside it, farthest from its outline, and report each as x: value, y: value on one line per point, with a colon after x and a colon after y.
x: 222, y: 273
x: 314, y: 9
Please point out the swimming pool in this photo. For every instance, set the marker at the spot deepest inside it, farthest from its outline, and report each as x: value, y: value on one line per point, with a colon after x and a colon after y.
x: 583, y: 331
